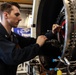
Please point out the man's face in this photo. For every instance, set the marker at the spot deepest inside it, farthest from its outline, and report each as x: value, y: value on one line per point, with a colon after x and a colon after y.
x: 14, y: 17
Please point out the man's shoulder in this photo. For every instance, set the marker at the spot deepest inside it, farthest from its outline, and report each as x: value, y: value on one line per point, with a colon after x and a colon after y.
x: 1, y: 37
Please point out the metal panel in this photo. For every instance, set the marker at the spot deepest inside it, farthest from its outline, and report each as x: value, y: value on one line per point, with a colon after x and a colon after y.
x: 19, y: 1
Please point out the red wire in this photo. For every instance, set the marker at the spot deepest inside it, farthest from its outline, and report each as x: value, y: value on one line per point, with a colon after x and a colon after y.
x: 63, y: 32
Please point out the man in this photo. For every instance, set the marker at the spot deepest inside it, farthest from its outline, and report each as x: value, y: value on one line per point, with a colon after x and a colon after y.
x: 15, y: 49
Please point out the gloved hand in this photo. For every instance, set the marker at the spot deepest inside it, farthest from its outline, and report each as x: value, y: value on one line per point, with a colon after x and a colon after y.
x: 41, y: 40
x: 56, y: 28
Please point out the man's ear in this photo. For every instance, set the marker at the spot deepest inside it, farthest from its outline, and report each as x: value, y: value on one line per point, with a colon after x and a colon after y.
x: 5, y: 14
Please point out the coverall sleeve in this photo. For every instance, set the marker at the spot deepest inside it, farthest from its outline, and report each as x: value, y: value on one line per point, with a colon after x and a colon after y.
x: 28, y: 49
x: 12, y: 55
x: 50, y: 35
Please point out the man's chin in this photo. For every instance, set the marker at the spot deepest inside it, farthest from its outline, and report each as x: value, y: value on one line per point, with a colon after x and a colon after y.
x: 14, y: 26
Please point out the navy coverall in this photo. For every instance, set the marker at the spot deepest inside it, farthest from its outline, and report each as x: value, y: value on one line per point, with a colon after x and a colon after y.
x: 14, y: 50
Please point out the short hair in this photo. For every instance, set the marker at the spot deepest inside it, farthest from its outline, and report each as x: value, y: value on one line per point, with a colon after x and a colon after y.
x: 7, y: 6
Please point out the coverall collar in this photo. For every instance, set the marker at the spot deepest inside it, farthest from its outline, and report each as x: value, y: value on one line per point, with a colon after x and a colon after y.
x: 3, y: 31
